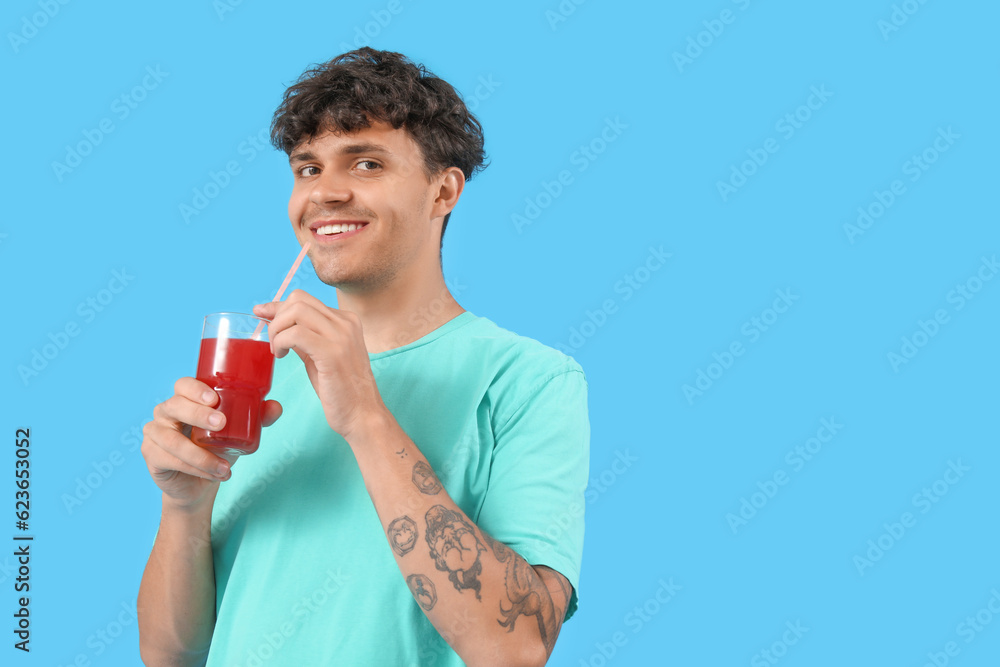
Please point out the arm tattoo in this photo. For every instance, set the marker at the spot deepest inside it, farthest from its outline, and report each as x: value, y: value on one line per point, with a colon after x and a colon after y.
x: 402, y: 534
x: 454, y: 548
x: 527, y: 594
x: 423, y: 590
x: 424, y: 478
x: 567, y: 592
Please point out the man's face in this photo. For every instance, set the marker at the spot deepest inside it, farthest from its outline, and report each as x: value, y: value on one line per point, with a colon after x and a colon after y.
x: 374, y: 179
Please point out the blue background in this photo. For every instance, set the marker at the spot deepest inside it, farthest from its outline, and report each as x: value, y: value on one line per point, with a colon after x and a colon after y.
x: 555, y: 81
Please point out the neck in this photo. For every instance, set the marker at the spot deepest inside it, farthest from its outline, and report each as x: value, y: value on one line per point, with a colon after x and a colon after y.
x: 402, y: 312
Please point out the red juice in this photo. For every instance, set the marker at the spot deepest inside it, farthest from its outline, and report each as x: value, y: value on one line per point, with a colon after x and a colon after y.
x: 239, y: 371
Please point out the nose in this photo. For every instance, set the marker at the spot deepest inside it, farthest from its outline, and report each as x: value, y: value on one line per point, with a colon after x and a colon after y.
x: 331, y: 187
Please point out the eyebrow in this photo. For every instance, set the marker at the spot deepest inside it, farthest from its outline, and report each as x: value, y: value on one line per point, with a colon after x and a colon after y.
x: 350, y: 149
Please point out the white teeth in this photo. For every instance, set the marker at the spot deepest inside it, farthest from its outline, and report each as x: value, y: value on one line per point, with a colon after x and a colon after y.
x: 329, y: 230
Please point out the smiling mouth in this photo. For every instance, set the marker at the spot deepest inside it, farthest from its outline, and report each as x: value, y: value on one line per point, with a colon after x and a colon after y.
x: 333, y: 230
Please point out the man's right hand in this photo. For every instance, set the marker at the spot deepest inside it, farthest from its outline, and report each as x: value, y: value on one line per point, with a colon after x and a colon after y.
x: 188, y: 474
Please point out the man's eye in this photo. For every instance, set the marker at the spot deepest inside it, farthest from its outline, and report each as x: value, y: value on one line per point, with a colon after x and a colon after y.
x: 369, y: 165
x: 307, y: 171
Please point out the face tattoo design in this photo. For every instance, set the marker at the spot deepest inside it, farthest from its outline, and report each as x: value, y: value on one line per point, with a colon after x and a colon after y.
x: 403, y: 535
x: 424, y: 479
x: 454, y: 548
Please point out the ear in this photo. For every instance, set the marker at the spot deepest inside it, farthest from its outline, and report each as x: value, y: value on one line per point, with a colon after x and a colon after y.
x: 449, y: 184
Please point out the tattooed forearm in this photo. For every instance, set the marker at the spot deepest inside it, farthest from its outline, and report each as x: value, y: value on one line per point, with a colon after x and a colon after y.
x: 527, y: 595
x: 455, y: 548
x: 567, y: 593
x: 424, y: 478
x: 402, y: 534
x: 423, y: 590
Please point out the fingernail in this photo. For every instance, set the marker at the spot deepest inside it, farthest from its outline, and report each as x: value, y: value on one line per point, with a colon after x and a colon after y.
x: 222, y: 470
x: 208, y: 397
x: 215, y: 419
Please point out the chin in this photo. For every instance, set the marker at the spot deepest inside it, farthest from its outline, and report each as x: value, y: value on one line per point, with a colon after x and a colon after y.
x: 332, y: 274
x: 342, y: 282
x: 362, y: 278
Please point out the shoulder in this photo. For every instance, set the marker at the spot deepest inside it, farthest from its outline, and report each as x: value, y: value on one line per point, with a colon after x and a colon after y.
x: 521, y: 375
x: 518, y: 355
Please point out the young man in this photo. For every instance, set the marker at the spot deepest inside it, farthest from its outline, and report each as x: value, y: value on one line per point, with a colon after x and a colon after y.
x: 420, y: 499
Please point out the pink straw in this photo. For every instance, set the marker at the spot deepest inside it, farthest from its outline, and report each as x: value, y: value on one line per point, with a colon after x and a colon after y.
x: 288, y: 279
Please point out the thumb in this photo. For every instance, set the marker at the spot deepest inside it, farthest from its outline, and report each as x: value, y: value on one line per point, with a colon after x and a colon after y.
x: 272, y: 410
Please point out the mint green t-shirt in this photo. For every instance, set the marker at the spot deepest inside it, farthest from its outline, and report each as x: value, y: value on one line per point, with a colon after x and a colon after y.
x: 304, y: 573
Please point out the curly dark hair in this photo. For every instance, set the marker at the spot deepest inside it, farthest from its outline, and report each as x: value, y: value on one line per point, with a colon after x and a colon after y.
x: 357, y: 88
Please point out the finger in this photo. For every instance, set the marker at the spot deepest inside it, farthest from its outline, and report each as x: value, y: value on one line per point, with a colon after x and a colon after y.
x: 345, y: 319
x: 272, y: 410
x: 180, y: 410
x: 303, y: 318
x: 196, y: 390
x: 176, y: 443
x: 297, y: 300
x: 307, y: 344
x: 314, y: 315
x: 266, y: 310
x: 270, y: 309
x: 167, y: 466
x: 304, y: 309
x: 303, y: 296
x: 165, y: 449
x: 231, y: 459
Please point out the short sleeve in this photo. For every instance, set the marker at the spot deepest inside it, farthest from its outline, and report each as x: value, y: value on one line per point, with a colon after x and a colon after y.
x: 535, y: 498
